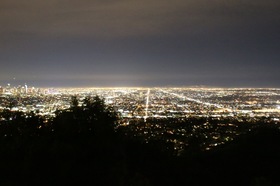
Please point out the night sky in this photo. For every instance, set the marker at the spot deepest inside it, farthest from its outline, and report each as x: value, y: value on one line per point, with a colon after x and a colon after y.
x: 217, y: 43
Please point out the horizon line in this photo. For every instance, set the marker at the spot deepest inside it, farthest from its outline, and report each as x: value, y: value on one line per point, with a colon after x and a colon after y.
x: 145, y: 87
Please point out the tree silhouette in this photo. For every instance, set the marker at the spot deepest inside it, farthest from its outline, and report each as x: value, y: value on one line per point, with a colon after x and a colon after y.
x: 78, y: 146
x: 93, y: 117
x: 74, y: 102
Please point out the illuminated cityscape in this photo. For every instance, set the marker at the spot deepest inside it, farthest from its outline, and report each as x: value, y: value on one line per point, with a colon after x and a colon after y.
x: 216, y: 115
x: 151, y: 102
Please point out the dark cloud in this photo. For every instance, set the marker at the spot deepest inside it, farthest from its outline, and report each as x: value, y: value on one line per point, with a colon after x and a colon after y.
x: 131, y: 17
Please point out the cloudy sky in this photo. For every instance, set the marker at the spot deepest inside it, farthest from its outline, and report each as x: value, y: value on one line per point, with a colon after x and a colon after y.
x: 222, y: 43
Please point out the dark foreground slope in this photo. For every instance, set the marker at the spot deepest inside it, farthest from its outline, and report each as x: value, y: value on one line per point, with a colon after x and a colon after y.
x: 252, y: 159
x: 80, y: 147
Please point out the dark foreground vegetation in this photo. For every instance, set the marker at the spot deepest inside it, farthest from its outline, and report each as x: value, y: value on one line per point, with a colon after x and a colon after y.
x: 80, y: 146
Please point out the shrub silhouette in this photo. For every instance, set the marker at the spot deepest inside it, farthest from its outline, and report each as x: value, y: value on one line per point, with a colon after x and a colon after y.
x: 77, y: 146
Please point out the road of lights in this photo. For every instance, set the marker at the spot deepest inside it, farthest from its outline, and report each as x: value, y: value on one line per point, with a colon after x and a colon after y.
x: 147, y: 105
x: 193, y: 100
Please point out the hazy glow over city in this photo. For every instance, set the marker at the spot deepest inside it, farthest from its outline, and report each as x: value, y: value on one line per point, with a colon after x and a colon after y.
x: 150, y: 43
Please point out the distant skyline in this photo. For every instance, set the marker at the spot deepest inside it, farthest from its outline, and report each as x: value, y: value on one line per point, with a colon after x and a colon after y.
x: 67, y: 43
